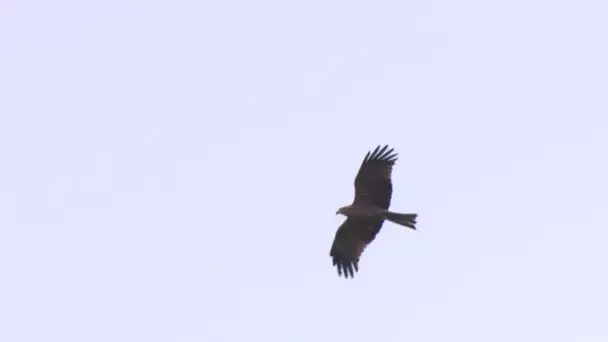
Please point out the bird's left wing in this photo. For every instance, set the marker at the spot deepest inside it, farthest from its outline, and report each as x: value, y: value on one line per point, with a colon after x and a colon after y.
x: 373, y: 184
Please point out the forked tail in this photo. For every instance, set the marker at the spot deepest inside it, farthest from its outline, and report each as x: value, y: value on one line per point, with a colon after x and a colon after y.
x: 408, y: 220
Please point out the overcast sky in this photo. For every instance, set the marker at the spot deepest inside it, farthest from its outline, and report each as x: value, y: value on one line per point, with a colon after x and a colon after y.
x: 170, y: 171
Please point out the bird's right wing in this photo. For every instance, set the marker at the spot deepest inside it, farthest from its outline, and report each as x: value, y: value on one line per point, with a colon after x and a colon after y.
x: 352, y: 237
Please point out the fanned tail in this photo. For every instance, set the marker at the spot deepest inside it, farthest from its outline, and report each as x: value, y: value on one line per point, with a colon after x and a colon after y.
x: 407, y: 220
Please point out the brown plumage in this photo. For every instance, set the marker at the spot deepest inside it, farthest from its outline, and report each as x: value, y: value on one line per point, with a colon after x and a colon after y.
x: 369, y: 210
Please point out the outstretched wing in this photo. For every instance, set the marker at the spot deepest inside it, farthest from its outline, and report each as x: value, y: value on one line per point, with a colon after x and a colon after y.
x: 373, y: 181
x: 350, y: 241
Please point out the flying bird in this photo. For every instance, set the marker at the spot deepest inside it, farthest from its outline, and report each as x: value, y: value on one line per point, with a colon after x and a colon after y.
x: 369, y: 210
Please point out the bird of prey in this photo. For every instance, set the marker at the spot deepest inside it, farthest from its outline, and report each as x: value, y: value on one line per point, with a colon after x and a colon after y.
x: 367, y: 213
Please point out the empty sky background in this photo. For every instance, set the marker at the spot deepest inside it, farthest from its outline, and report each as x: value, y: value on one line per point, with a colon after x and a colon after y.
x: 170, y: 171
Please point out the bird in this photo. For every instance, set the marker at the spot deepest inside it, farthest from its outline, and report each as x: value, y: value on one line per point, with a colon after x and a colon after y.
x: 368, y: 211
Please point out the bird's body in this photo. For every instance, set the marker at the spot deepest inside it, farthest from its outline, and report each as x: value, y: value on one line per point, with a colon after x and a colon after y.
x: 361, y: 211
x: 367, y: 213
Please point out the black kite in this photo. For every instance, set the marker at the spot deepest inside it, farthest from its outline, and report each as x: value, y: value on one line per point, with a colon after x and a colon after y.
x: 365, y: 216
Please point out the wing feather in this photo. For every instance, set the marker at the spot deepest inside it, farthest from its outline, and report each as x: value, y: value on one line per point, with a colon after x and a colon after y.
x: 373, y: 183
x: 352, y: 237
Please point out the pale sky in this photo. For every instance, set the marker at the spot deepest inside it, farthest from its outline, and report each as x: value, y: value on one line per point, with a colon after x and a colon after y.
x: 171, y: 170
